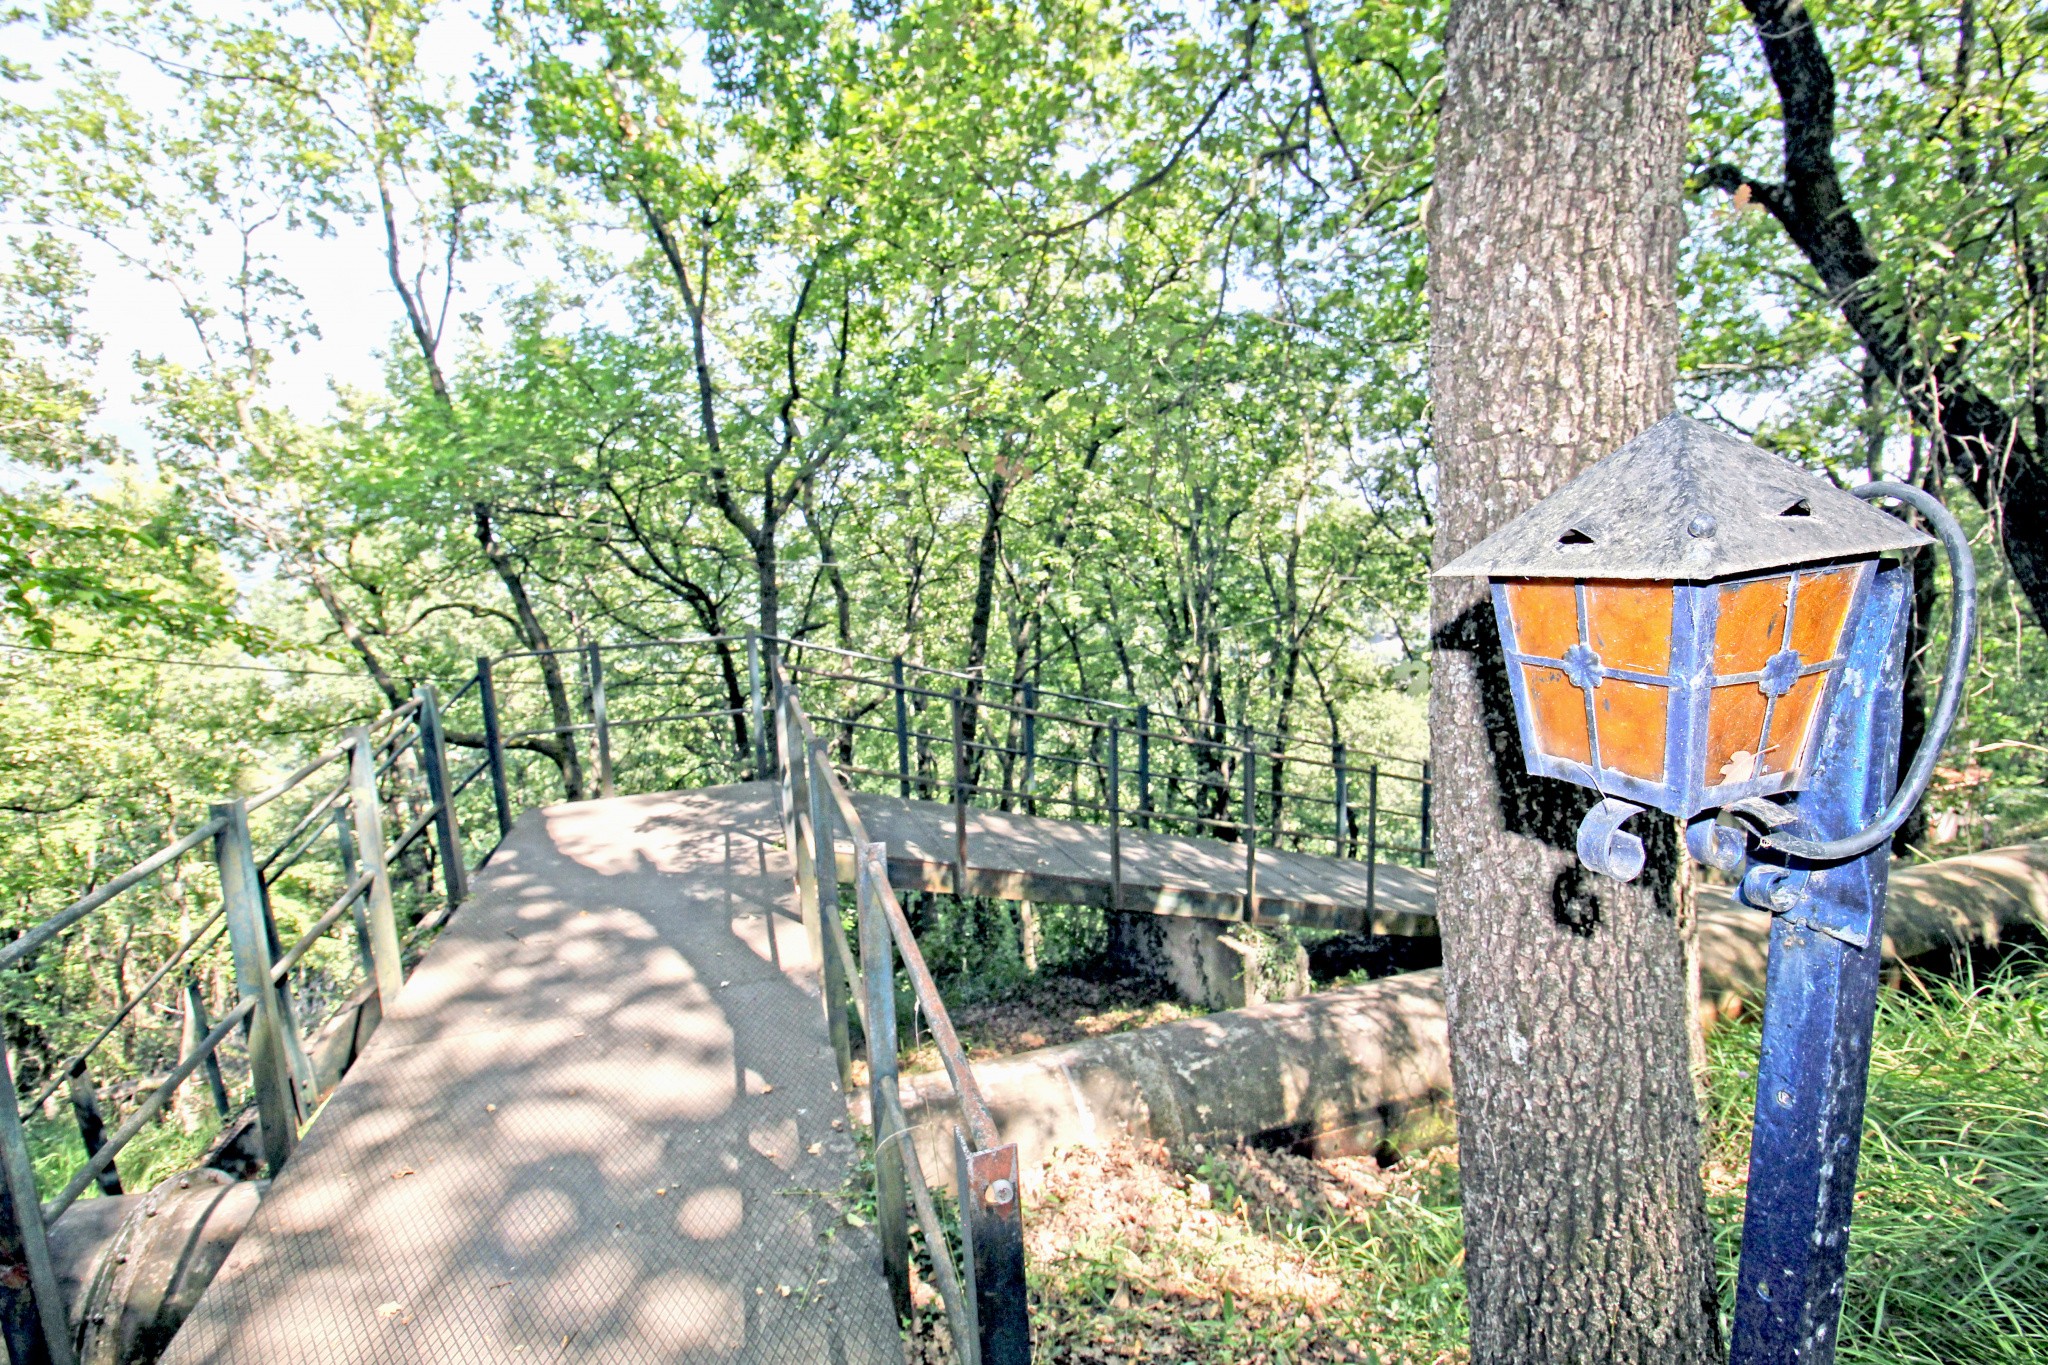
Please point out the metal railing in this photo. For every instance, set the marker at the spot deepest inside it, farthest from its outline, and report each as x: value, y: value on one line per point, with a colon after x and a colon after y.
x: 984, y: 1298
x: 676, y: 713
x: 679, y: 712
x: 383, y: 767
x: 1124, y: 767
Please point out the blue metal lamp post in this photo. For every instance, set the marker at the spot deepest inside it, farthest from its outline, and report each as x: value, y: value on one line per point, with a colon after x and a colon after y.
x: 1697, y: 626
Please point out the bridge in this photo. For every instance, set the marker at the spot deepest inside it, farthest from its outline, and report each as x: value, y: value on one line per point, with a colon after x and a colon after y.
x: 582, y: 1086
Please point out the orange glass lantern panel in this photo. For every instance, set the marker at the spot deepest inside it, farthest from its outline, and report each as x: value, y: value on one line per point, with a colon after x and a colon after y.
x: 1776, y: 644
x: 1557, y: 712
x: 1595, y: 664
x: 1676, y: 694
x: 1546, y: 616
x: 1629, y: 625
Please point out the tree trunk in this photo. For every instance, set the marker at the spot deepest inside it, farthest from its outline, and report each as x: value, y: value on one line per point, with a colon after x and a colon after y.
x: 1553, y: 244
x: 534, y: 636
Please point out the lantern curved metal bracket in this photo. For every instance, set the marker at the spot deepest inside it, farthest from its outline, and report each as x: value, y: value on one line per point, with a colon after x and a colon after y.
x: 1962, y: 567
x: 1721, y: 847
x: 1607, y: 848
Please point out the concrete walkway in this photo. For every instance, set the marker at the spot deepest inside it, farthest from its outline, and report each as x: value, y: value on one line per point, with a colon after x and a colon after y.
x: 602, y: 1123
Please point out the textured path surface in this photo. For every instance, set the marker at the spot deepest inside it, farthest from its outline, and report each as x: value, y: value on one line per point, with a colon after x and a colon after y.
x: 1028, y: 857
x: 601, y: 1124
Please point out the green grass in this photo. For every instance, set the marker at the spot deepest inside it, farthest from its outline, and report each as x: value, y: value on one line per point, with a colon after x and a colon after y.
x: 1948, y: 1253
x: 161, y: 1150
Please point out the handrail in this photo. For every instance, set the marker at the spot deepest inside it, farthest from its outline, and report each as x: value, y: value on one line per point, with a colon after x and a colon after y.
x: 512, y: 654
x: 1016, y: 685
x: 279, y: 1072
x: 988, y: 1316
x: 304, y: 771
x: 36, y: 937
x: 141, y: 993
x: 145, y: 1111
x: 305, y: 822
x: 1016, y: 746
x: 1140, y: 711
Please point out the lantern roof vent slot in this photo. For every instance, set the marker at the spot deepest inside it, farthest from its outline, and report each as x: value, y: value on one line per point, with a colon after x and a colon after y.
x: 1755, y: 512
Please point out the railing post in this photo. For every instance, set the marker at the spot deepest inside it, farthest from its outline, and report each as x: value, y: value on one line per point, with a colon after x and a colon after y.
x: 345, y: 845
x: 992, y: 1248
x: 1144, y: 766
x: 902, y: 728
x: 248, y: 936
x: 367, y: 815
x: 92, y: 1124
x: 1343, y: 817
x: 1428, y: 786
x: 878, y: 977
x: 494, y: 745
x: 1116, y: 842
x: 1030, y: 747
x: 959, y: 800
x: 32, y: 1314
x: 1251, y: 824
x: 599, y: 723
x: 434, y: 758
x: 785, y: 770
x: 759, y: 717
x: 197, y: 1026
x: 1372, y: 836
x: 831, y: 929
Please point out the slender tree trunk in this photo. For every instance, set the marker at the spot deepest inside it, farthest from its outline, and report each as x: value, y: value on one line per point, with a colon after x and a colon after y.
x: 535, y: 637
x: 996, y: 496
x: 1553, y: 244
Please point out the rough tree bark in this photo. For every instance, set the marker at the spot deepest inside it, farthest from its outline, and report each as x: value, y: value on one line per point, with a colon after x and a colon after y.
x: 1984, y: 444
x: 1553, y: 244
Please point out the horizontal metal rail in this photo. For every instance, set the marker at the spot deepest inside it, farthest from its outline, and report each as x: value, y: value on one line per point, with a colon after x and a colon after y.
x: 319, y: 927
x: 144, y: 1112
x: 985, y: 1300
x: 307, y: 825
x: 63, y: 1073
x: 306, y: 770
x: 56, y: 924
x: 279, y: 1073
x: 1016, y: 685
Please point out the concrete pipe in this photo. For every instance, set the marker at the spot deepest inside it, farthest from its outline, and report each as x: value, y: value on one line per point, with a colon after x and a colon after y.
x: 133, y: 1267
x: 1342, y: 1071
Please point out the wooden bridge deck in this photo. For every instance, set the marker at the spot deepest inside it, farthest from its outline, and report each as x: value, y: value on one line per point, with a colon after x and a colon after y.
x: 1025, y: 857
x: 602, y: 1123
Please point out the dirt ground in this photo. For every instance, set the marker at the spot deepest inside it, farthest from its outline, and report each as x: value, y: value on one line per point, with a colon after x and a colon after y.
x: 1045, y: 1012
x: 1140, y: 1254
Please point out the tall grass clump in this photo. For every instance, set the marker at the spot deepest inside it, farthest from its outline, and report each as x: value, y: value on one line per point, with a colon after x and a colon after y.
x: 1948, y: 1253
